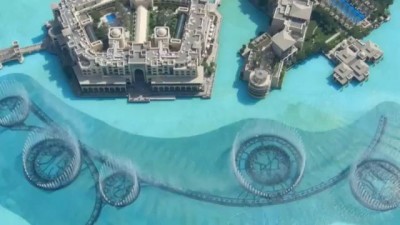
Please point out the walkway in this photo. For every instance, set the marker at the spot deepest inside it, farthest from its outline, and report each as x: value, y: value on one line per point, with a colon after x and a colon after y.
x: 15, y: 53
x: 333, y: 37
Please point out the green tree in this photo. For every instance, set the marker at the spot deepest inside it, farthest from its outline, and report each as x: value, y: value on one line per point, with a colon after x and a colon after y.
x: 96, y: 16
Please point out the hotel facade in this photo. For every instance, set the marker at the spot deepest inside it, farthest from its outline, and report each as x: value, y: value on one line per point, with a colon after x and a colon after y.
x: 146, y: 63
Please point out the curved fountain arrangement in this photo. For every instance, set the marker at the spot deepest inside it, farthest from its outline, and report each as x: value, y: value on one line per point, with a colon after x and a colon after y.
x: 375, y: 177
x: 376, y: 184
x: 268, y: 159
x: 14, y: 104
x: 118, y: 183
x: 51, y: 158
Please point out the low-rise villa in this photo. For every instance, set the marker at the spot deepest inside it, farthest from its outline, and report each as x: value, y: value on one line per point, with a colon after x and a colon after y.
x: 289, y: 41
x: 132, y: 60
x: 353, y: 57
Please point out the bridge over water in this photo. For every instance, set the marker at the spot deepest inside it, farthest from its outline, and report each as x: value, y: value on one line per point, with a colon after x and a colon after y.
x: 16, y: 53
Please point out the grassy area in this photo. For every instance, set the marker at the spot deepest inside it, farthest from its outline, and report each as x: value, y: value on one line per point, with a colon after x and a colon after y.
x: 315, y: 41
x: 209, y: 69
x: 95, y: 16
x: 311, y: 29
x: 325, y: 21
x: 382, y: 7
x: 164, y: 17
x: 323, y: 26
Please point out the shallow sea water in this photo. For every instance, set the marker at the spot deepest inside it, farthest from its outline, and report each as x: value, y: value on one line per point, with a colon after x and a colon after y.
x: 186, y: 144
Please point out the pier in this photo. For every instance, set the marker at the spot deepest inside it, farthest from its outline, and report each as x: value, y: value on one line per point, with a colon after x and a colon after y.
x: 16, y: 53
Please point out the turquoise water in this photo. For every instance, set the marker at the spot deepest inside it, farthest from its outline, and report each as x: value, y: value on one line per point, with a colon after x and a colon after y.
x: 193, y: 164
x: 307, y: 94
x: 186, y: 144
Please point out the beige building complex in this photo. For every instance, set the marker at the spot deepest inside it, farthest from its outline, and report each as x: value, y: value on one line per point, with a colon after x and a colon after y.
x: 267, y: 54
x: 142, y: 64
x: 353, y: 58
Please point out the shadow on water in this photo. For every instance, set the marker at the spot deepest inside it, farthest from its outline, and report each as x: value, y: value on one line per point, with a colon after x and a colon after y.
x: 10, y: 64
x: 331, y: 82
x: 261, y: 20
x: 41, y: 36
x: 61, y: 78
x: 255, y: 15
x: 307, y: 60
x: 58, y: 75
x: 241, y: 86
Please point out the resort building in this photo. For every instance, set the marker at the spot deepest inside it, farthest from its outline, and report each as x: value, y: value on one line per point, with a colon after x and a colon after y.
x: 353, y: 57
x: 289, y: 24
x: 139, y: 63
x: 259, y: 83
x: 270, y: 51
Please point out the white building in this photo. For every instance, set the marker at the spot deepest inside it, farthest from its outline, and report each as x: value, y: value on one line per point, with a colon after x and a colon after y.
x: 286, y: 36
x: 289, y: 26
x: 161, y: 62
x: 352, y: 56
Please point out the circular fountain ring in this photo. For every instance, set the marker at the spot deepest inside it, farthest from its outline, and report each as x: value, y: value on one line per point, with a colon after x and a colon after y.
x: 51, y: 160
x: 14, y: 104
x: 268, y: 165
x: 119, y: 187
x: 376, y: 184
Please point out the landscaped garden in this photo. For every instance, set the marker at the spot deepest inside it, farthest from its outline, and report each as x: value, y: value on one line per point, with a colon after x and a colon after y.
x: 164, y: 16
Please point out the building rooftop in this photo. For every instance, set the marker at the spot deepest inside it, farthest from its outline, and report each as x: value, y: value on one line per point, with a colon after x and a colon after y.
x: 346, y: 55
x: 360, y: 68
x: 372, y: 50
x: 283, y: 40
x: 344, y: 71
x: 260, y: 77
x: 352, y: 54
x: 300, y: 10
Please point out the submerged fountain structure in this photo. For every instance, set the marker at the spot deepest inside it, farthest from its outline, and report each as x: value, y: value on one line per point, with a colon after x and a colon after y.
x: 14, y: 103
x: 118, y: 182
x: 375, y: 177
x: 51, y: 158
x: 268, y: 158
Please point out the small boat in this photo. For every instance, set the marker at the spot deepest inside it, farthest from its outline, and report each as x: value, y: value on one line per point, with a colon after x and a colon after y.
x: 388, y: 19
